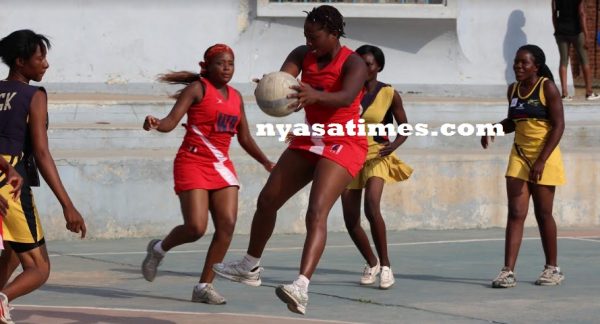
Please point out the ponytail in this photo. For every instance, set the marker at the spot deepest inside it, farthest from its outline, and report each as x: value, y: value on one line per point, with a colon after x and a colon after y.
x: 544, y: 71
x: 178, y: 77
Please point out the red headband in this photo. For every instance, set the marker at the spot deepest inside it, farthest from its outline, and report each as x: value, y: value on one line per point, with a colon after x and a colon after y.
x: 211, y: 53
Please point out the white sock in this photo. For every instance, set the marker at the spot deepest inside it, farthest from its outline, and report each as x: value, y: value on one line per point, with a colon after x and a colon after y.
x: 249, y: 262
x: 158, y: 248
x: 302, y: 282
x: 200, y: 285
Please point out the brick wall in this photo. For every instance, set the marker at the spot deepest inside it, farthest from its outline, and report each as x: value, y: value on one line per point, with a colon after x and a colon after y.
x: 592, y: 22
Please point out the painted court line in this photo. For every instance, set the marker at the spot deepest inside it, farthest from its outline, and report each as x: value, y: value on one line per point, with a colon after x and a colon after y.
x: 147, y: 311
x: 293, y: 248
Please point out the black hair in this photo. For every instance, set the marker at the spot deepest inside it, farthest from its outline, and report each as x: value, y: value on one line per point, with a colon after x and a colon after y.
x: 328, y: 17
x: 540, y: 60
x: 375, y: 51
x: 21, y: 44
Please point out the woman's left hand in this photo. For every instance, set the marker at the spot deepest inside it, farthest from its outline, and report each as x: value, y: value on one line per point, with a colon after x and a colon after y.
x: 306, y: 95
x: 269, y: 166
x: 535, y: 174
x: 388, y: 149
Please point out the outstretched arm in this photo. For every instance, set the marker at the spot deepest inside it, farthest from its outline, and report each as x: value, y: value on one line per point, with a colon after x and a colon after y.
x: 37, y: 124
x: 190, y: 95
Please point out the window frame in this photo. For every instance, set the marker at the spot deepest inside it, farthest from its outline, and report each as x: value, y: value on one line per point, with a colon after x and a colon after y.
x: 448, y: 10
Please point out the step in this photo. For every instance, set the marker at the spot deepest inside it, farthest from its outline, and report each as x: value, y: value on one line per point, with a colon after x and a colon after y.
x: 131, y: 136
x: 128, y: 193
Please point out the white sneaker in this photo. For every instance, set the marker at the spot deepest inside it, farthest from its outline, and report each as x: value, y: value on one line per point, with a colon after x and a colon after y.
x: 5, y: 310
x: 505, y: 279
x: 551, y: 276
x: 151, y: 262
x: 386, y: 279
x: 593, y: 96
x: 294, y: 296
x: 234, y: 271
x: 370, y: 274
x: 208, y: 295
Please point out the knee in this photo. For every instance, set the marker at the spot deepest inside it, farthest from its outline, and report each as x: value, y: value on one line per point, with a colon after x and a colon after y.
x: 372, y: 211
x: 195, y: 231
x: 316, y: 219
x: 543, y: 216
x: 225, y: 230
x: 352, y: 222
x: 265, y: 202
x: 516, y: 214
x: 40, y: 269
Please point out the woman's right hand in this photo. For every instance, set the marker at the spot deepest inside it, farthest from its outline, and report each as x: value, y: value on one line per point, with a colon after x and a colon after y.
x: 151, y: 122
x: 75, y: 222
x: 486, y: 140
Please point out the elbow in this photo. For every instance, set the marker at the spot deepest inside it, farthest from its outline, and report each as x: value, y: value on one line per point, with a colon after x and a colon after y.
x: 559, y: 126
x: 41, y: 155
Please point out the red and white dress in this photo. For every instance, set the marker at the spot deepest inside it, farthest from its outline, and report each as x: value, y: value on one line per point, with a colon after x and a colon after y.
x: 349, y: 151
x: 202, y: 161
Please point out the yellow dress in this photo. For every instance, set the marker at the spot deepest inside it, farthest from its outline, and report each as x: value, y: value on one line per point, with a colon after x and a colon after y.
x: 530, y: 115
x: 389, y: 168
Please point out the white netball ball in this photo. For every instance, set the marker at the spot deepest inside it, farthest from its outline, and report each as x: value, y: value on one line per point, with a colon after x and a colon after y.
x: 271, y: 94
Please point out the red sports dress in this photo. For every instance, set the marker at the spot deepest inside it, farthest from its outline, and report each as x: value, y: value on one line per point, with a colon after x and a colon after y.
x: 203, y: 158
x: 348, y: 151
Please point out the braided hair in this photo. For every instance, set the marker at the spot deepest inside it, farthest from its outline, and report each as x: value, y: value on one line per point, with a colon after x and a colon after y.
x: 329, y: 18
x: 540, y: 60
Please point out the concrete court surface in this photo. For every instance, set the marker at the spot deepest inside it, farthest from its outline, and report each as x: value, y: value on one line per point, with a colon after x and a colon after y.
x: 441, y: 277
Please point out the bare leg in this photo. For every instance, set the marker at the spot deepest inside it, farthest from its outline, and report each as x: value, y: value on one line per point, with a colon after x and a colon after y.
x: 587, y: 77
x: 36, y: 270
x: 562, y: 72
x: 351, y: 206
x: 330, y: 180
x: 291, y: 173
x: 9, y: 261
x: 373, y: 193
x: 518, y: 204
x: 543, y: 199
x: 194, y: 207
x: 223, y: 208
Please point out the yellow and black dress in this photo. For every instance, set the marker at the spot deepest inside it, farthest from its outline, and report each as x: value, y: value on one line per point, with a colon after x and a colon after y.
x: 377, y: 110
x: 532, y: 126
x: 21, y: 228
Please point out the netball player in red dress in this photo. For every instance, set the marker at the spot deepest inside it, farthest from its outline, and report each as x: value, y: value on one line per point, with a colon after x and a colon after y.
x: 330, y: 92
x: 205, y: 178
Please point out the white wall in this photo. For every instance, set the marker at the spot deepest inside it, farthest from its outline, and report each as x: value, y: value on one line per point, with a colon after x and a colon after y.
x: 129, y: 42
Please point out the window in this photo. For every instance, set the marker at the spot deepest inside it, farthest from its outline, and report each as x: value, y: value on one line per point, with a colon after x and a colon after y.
x: 430, y: 9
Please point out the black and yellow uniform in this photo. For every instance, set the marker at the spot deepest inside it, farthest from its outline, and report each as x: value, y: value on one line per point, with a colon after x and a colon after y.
x: 532, y: 126
x: 377, y: 110
x: 21, y: 226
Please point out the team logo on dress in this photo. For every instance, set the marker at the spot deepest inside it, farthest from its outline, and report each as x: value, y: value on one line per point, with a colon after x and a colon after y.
x: 219, y: 100
x: 533, y: 102
x: 520, y: 106
x: 336, y: 148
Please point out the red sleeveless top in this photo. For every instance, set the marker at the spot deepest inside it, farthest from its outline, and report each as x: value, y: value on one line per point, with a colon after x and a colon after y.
x: 348, y: 151
x: 211, y: 123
